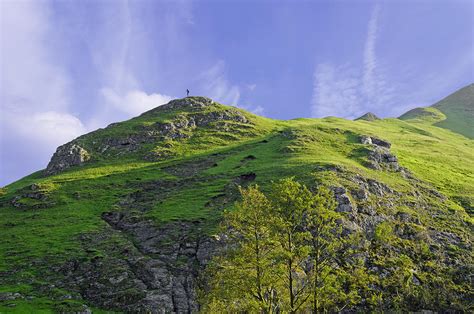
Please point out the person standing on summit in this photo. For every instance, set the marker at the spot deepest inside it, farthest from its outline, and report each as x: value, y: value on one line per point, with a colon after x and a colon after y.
x: 187, y: 92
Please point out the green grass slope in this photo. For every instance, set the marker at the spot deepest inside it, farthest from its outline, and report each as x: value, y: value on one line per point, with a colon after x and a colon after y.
x: 455, y: 112
x: 193, y: 174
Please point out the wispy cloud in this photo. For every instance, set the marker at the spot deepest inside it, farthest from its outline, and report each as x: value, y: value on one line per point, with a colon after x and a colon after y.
x: 214, y: 83
x: 349, y: 91
x: 370, y: 60
x: 258, y: 110
x: 251, y: 87
x: 336, y: 91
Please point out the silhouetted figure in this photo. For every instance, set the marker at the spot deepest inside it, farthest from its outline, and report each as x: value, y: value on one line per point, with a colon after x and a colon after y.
x: 187, y: 92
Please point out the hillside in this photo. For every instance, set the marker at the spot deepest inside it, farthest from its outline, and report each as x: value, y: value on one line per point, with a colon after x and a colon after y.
x: 455, y: 112
x: 124, y: 218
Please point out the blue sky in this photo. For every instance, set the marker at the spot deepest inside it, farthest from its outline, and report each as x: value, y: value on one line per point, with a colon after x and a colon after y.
x: 69, y: 67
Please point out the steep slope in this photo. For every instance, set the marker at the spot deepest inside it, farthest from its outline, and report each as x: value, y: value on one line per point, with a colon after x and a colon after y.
x: 124, y: 218
x: 455, y: 112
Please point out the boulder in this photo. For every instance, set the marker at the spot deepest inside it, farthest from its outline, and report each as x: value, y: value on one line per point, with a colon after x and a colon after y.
x: 364, y: 139
x: 371, y: 140
x: 382, y: 143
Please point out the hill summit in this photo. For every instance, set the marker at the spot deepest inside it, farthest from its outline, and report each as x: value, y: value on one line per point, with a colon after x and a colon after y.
x: 126, y: 218
x: 369, y: 116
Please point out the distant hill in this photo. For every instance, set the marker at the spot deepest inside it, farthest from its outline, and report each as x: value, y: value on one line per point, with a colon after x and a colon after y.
x: 455, y: 112
x: 427, y: 114
x: 369, y: 116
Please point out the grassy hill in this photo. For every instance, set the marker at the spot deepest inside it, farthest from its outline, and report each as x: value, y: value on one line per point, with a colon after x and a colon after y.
x: 455, y: 112
x: 124, y: 218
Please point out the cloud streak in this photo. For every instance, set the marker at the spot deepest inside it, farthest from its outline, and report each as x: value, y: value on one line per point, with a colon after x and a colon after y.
x: 214, y: 83
x: 349, y: 91
x: 370, y: 61
x: 336, y: 91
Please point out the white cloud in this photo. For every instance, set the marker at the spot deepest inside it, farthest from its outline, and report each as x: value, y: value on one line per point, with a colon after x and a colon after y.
x: 45, y: 129
x: 28, y: 139
x: 215, y: 85
x: 34, y: 91
x: 134, y: 102
x: 335, y: 91
x: 258, y: 110
x: 115, y: 49
x: 29, y: 76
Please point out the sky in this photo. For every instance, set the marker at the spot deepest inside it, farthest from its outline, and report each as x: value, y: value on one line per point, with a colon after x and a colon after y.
x: 70, y: 67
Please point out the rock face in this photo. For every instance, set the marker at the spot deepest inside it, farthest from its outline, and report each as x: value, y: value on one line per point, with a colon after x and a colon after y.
x: 344, y: 204
x: 155, y: 267
x: 67, y: 156
x: 380, y: 158
x: 155, y: 271
x: 156, y: 274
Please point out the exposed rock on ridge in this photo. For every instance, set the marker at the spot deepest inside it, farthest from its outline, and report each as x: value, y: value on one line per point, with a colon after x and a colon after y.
x: 380, y: 157
x: 66, y: 156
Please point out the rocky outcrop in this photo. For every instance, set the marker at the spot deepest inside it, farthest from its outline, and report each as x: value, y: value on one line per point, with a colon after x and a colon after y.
x: 180, y: 127
x: 364, y: 139
x: 65, y: 157
x: 32, y: 197
x: 344, y: 204
x: 379, y: 156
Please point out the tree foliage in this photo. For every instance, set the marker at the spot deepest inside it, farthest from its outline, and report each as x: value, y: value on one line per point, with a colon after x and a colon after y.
x: 282, y: 254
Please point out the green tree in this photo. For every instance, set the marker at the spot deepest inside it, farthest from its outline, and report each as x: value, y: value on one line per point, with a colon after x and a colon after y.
x: 325, y: 242
x: 245, y: 277
x: 282, y: 254
x: 291, y: 202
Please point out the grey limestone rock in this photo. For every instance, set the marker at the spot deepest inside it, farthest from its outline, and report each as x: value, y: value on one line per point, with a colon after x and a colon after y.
x: 371, y: 140
x: 67, y: 156
x: 343, y: 201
